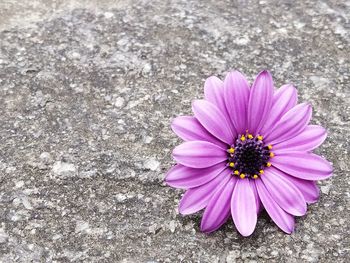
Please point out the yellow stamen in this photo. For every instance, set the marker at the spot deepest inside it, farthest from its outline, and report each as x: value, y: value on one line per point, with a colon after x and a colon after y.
x: 272, y: 154
x: 268, y: 164
x: 255, y: 176
x: 231, y: 150
x: 260, y: 137
x: 261, y: 171
x: 236, y: 172
x: 269, y: 146
x: 231, y: 164
x: 242, y: 138
x: 250, y: 136
x: 242, y: 176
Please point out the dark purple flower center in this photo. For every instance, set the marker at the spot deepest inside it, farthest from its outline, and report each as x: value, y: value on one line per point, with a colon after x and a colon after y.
x: 249, y: 156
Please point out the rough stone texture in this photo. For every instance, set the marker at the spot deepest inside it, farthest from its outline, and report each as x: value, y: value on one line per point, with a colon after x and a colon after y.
x: 88, y: 90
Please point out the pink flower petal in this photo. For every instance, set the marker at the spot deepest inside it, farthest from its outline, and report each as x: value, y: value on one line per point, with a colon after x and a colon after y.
x: 218, y: 207
x: 291, y: 124
x: 258, y: 204
x: 309, y: 189
x: 260, y: 101
x: 213, y: 120
x: 286, y: 195
x: 284, y: 99
x: 199, y: 154
x: 302, y: 165
x: 197, y: 198
x: 282, y: 219
x: 188, y: 128
x: 243, y: 207
x: 214, y: 92
x: 309, y: 139
x: 236, y: 99
x: 185, y: 177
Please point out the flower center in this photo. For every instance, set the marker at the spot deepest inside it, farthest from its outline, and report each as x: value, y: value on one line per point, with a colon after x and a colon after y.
x: 249, y: 156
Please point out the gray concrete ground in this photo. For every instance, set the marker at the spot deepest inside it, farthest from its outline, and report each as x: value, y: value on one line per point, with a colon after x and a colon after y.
x: 87, y: 92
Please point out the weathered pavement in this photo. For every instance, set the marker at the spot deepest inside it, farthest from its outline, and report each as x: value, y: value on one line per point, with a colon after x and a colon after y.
x: 87, y: 93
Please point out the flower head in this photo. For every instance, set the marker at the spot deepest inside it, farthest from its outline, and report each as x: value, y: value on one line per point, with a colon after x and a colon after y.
x: 247, y: 149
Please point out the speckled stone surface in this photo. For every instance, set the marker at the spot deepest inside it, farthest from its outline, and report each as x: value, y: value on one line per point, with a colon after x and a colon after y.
x: 87, y: 93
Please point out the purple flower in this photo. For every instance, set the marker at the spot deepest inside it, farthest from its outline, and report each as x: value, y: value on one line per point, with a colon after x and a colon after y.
x: 247, y: 149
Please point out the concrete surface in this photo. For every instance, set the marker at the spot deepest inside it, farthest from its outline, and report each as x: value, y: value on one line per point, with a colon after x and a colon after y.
x: 87, y: 92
